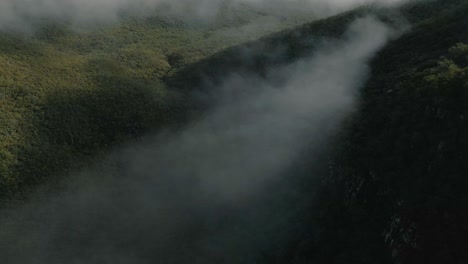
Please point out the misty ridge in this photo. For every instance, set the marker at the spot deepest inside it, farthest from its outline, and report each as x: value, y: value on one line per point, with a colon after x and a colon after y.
x: 26, y: 14
x: 198, y: 195
x: 233, y: 131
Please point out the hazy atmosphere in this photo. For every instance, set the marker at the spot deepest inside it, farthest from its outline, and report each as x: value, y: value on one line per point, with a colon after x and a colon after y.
x: 233, y: 131
x: 21, y: 14
x: 171, y: 195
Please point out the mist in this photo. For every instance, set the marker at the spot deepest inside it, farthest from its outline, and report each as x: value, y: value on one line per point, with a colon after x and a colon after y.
x: 202, y: 194
x: 23, y: 14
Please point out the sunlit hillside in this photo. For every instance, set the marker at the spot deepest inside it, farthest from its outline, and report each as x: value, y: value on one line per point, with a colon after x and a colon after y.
x: 170, y: 121
x: 69, y: 93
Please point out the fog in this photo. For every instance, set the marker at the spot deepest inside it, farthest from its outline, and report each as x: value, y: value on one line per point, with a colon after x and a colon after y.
x: 22, y: 14
x: 202, y: 194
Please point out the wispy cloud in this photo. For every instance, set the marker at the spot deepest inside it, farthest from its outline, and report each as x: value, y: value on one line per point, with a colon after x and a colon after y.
x: 20, y: 14
x: 184, y: 197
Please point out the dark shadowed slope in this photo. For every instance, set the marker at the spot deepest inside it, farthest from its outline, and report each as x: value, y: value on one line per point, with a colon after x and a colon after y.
x: 220, y: 190
x: 398, y: 187
x: 395, y: 191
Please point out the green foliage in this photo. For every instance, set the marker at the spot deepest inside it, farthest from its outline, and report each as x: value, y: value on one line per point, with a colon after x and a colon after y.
x: 459, y: 54
x: 459, y: 51
x: 68, y: 95
x: 447, y: 75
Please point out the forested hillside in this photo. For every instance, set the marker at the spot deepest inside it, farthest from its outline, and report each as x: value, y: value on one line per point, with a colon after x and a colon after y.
x: 396, y: 190
x: 68, y: 95
x: 399, y: 179
x: 394, y: 186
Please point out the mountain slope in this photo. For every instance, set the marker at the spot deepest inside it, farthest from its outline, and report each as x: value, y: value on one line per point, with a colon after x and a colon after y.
x: 396, y: 192
x: 399, y: 179
x: 67, y: 96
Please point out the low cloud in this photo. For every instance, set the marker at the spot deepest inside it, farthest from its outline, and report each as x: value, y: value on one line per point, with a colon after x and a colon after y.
x: 192, y: 196
x: 22, y: 14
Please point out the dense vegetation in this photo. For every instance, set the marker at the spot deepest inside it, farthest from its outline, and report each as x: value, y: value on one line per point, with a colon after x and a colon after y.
x: 67, y: 94
x: 396, y: 190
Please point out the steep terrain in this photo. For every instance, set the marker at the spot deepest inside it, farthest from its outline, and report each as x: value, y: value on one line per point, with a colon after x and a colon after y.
x: 394, y: 188
x: 401, y: 168
x: 68, y: 95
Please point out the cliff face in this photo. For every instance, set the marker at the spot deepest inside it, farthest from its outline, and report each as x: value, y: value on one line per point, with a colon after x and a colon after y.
x: 398, y: 183
x: 396, y: 191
